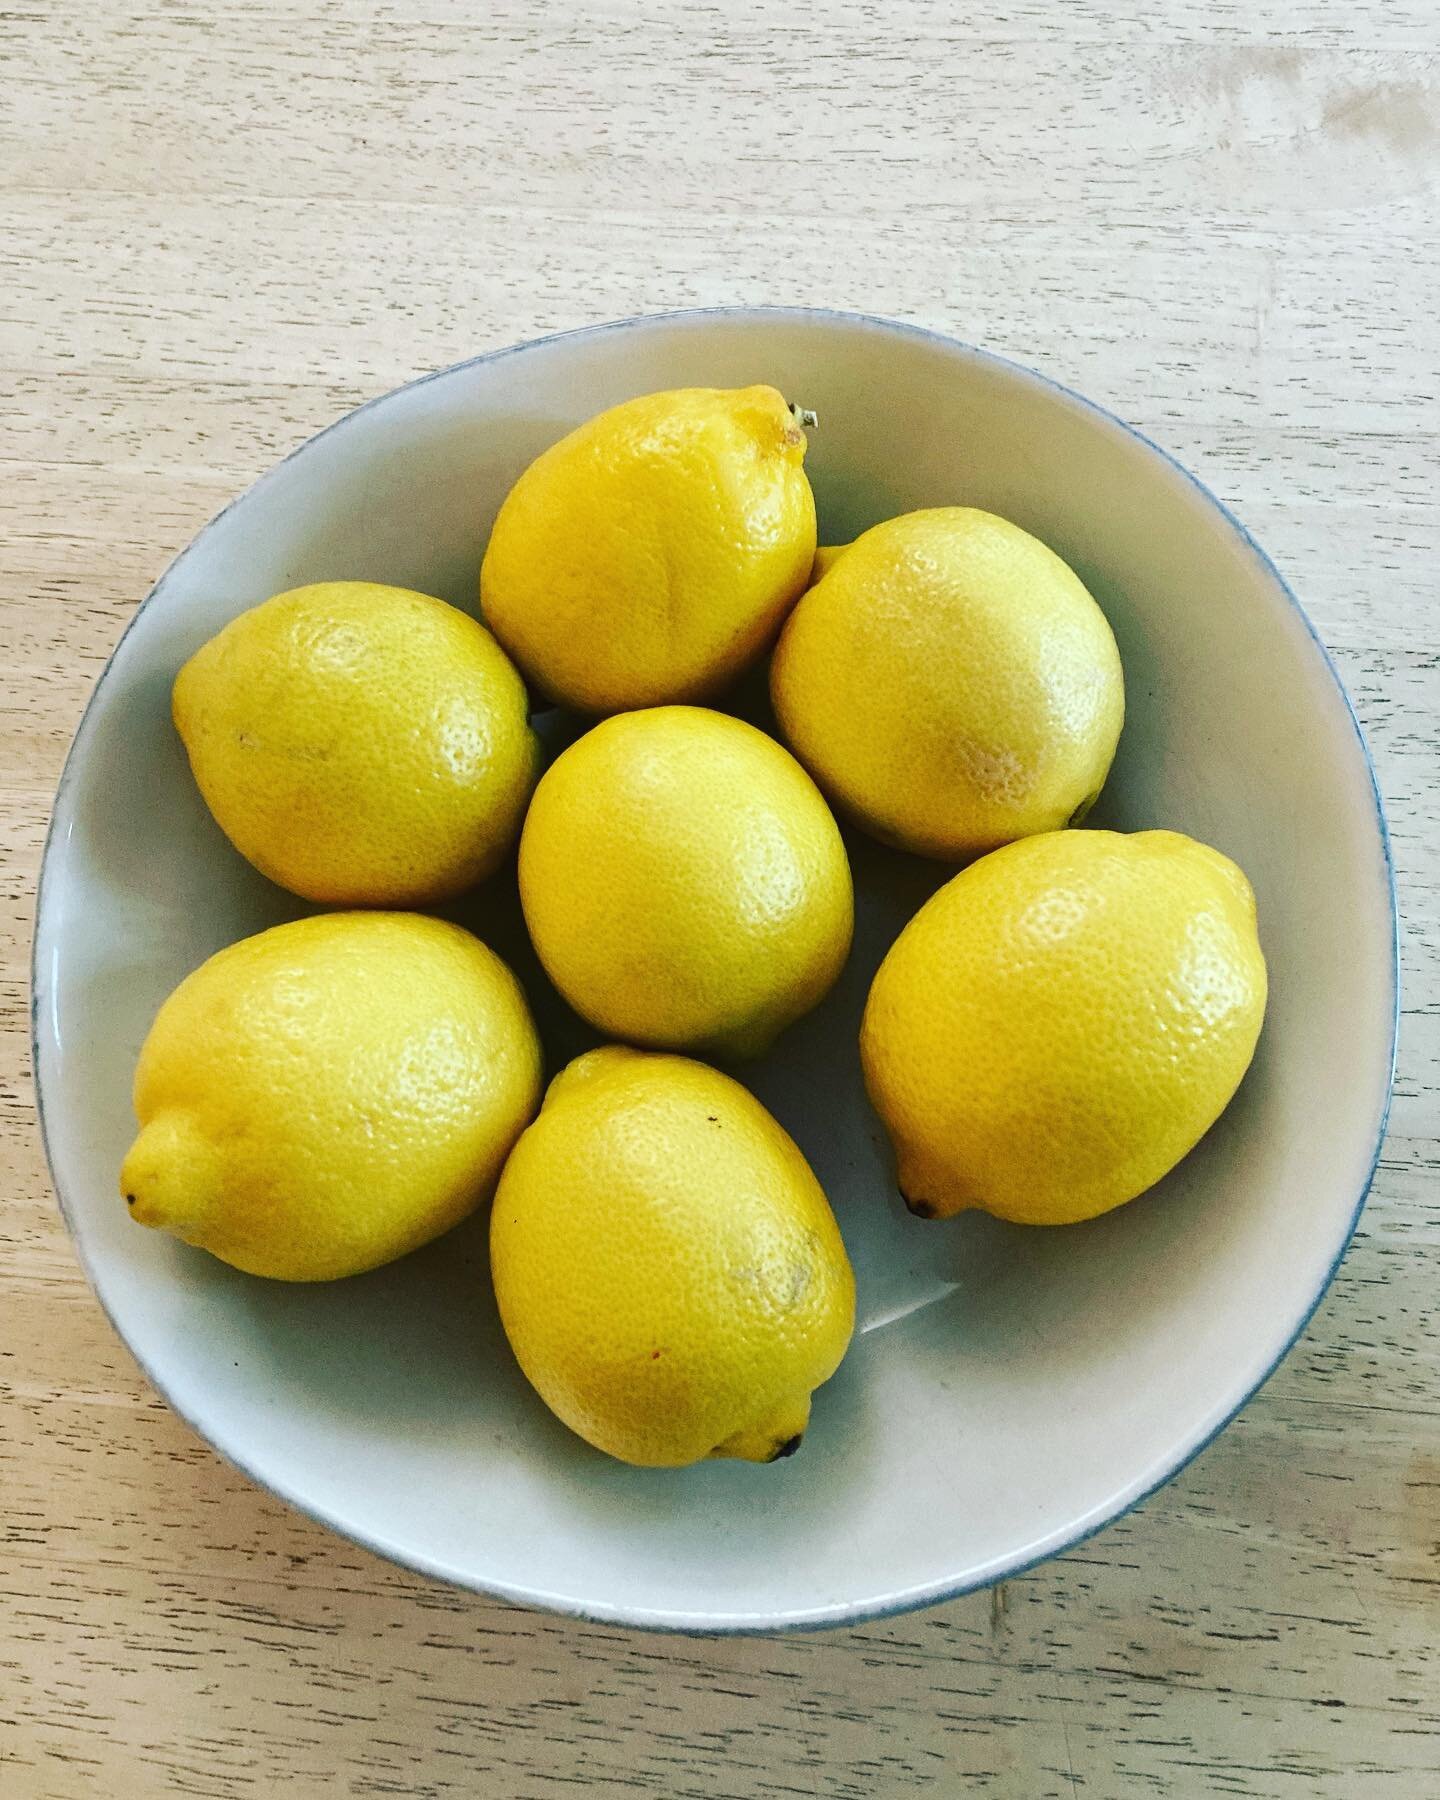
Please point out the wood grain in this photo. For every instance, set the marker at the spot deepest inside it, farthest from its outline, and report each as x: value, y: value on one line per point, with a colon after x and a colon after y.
x: 222, y: 225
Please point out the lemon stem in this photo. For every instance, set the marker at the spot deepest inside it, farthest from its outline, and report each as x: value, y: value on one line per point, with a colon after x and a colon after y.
x: 802, y: 415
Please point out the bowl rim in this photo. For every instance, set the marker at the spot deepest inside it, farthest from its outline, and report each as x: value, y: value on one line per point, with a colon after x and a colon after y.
x: 835, y: 1614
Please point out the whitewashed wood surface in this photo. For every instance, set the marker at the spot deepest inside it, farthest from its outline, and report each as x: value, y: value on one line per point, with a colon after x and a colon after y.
x: 223, y: 223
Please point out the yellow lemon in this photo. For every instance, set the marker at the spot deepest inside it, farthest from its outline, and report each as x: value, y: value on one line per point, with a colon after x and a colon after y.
x: 652, y: 553
x: 684, y: 882
x: 361, y: 745
x: 668, y: 1270
x: 826, y: 557
x: 950, y: 683
x: 327, y: 1095
x: 1062, y: 1022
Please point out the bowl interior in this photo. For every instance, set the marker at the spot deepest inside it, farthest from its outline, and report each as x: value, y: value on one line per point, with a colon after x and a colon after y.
x: 1008, y: 1390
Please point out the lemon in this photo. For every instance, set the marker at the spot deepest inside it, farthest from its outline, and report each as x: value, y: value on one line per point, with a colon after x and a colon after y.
x: 1062, y: 1022
x: 950, y: 683
x: 668, y: 1270
x: 684, y: 883
x: 652, y: 553
x: 327, y: 1095
x: 361, y: 745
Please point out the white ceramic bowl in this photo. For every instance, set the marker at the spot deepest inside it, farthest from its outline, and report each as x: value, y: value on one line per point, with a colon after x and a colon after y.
x: 1009, y: 1391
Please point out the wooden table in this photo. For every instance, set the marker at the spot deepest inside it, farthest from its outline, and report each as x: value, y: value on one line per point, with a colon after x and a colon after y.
x: 225, y: 223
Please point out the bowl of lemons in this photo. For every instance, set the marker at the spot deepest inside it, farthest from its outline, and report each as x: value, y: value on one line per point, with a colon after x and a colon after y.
x: 731, y: 971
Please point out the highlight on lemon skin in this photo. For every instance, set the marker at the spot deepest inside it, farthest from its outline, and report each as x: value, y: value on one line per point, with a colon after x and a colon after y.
x: 651, y: 555
x: 1062, y: 1022
x: 331, y: 1094
x: 668, y: 1270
